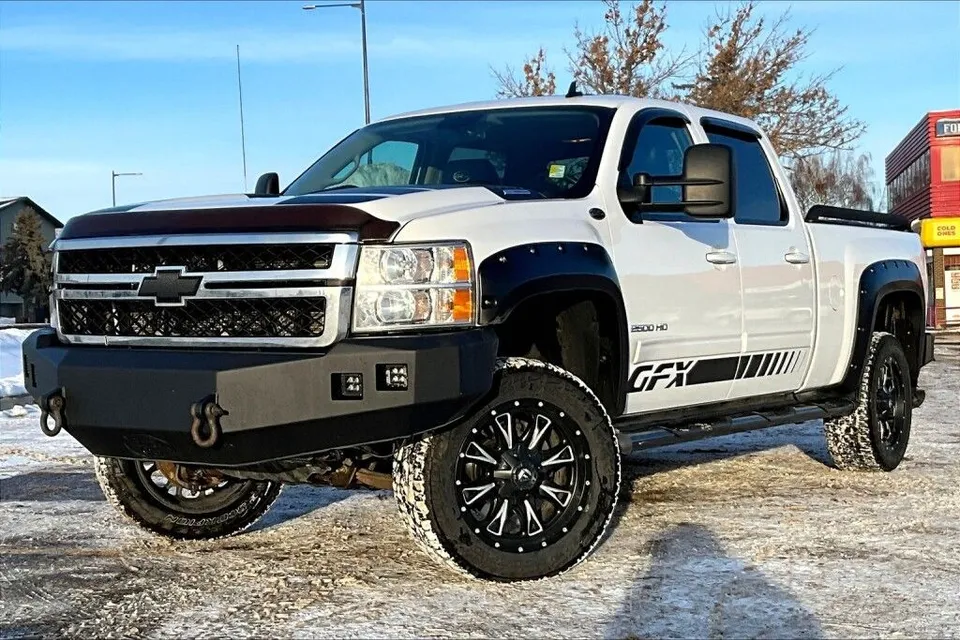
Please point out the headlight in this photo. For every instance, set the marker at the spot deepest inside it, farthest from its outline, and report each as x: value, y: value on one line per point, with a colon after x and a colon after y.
x: 402, y: 287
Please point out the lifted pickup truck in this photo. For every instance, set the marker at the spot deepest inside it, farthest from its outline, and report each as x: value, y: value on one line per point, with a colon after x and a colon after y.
x: 483, y: 306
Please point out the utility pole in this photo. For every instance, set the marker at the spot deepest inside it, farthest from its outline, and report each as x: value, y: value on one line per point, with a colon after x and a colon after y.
x: 361, y: 5
x: 113, y: 183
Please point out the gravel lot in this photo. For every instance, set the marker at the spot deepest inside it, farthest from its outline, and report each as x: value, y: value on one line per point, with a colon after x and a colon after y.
x: 747, y: 535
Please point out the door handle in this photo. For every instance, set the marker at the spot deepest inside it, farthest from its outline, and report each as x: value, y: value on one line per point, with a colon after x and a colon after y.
x: 721, y: 257
x: 795, y: 257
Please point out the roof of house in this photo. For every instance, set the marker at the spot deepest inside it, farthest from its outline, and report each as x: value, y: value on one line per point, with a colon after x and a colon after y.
x: 46, y: 215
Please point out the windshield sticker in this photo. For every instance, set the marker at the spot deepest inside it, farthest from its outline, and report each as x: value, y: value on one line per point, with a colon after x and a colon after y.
x: 556, y: 170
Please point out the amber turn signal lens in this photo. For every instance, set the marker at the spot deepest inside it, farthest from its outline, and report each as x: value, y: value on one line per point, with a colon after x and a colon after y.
x: 462, y: 305
x: 461, y: 264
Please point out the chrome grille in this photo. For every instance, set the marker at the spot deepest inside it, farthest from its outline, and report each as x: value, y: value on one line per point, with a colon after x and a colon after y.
x: 271, y: 290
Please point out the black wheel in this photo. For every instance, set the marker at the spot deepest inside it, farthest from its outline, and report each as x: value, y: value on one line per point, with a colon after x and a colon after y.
x: 875, y: 436
x: 183, y: 502
x: 522, y: 489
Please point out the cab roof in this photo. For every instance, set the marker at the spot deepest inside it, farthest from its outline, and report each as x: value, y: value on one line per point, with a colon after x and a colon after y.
x: 609, y: 101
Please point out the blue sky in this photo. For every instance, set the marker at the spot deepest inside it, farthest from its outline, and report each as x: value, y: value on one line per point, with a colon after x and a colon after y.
x: 86, y: 88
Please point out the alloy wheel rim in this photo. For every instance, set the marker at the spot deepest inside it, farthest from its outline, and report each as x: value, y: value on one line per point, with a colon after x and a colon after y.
x: 523, y: 475
x: 889, y: 403
x: 200, y: 500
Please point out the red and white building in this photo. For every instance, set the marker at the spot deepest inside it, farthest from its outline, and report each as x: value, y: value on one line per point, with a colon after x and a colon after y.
x: 923, y: 184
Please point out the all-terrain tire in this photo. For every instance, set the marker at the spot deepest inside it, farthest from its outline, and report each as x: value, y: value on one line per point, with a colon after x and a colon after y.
x: 875, y: 436
x: 563, y: 463
x: 237, y: 507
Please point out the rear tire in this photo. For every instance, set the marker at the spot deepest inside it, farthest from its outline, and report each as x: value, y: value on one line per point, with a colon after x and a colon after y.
x: 875, y: 436
x: 522, y: 489
x: 137, y: 490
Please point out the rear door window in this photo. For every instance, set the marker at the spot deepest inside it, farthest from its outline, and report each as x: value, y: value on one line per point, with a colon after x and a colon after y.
x: 756, y: 196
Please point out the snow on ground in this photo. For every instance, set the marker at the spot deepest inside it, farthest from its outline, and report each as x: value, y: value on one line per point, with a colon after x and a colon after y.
x: 746, y: 536
x: 11, y: 361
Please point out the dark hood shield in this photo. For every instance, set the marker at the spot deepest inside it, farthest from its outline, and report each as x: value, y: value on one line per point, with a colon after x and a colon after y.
x: 249, y: 219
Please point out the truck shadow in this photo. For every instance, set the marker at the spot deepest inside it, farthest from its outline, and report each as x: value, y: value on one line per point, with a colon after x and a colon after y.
x: 694, y: 589
x: 300, y: 500
x: 47, y: 486
x: 807, y: 437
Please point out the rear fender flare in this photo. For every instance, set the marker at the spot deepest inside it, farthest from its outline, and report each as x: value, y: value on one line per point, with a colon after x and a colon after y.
x: 878, y: 281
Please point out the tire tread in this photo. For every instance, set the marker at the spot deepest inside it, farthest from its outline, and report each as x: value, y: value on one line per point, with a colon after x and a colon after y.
x: 849, y: 439
x: 410, y: 488
x: 113, y: 482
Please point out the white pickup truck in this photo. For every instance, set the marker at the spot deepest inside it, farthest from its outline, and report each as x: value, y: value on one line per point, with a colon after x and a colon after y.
x: 483, y: 306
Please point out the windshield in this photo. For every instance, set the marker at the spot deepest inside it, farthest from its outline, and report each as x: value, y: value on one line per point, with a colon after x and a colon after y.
x: 553, y: 151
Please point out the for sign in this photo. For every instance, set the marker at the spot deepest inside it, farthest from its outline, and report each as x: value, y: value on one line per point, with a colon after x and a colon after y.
x: 946, y: 128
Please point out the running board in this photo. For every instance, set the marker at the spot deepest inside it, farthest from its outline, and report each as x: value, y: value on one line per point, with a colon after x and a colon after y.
x: 651, y: 437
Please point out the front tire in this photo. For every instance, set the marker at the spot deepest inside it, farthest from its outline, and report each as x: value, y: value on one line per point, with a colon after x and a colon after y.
x: 522, y: 489
x: 875, y: 436
x: 147, y: 493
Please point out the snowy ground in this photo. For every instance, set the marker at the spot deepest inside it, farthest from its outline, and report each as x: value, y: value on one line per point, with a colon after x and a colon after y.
x: 11, y: 361
x: 750, y: 535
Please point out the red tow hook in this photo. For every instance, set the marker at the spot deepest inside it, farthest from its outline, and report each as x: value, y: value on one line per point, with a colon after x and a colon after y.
x: 53, y: 405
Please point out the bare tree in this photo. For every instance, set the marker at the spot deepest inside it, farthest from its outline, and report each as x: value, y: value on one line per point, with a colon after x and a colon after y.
x: 839, y: 179
x: 627, y: 57
x: 745, y: 65
x: 537, y: 79
x: 748, y: 66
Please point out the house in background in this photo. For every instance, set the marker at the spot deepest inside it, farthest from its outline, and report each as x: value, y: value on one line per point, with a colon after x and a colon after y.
x: 11, y: 306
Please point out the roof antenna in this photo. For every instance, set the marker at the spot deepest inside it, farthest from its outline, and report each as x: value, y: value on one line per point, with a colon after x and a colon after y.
x: 572, y: 91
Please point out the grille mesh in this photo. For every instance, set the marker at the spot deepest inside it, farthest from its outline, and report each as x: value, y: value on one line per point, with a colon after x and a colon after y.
x: 199, y: 318
x: 250, y: 257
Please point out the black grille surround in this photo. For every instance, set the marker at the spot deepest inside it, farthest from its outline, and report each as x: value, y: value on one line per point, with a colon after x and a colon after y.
x: 197, y: 318
x: 208, y: 258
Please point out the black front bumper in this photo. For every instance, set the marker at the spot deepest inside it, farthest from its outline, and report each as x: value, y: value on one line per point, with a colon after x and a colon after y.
x: 136, y: 402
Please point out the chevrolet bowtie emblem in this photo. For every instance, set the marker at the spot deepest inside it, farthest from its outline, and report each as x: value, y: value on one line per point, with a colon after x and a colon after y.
x: 169, y: 286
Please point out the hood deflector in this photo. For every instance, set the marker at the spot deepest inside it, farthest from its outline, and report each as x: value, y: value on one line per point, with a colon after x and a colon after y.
x: 265, y: 219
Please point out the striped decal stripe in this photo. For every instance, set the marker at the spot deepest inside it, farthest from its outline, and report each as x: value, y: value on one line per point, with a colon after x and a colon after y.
x: 650, y: 376
x: 773, y: 363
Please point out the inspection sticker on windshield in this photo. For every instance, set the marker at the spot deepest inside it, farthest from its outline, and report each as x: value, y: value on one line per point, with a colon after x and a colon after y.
x: 556, y: 170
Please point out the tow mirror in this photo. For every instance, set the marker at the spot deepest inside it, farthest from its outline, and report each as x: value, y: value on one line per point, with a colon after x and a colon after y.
x: 267, y: 185
x: 707, y: 183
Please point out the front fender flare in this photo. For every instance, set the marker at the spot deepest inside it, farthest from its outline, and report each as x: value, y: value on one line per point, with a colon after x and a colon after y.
x: 516, y: 274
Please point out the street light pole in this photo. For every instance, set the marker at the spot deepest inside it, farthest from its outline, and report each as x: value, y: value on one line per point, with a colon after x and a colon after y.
x: 113, y: 183
x: 361, y: 5
x: 366, y: 79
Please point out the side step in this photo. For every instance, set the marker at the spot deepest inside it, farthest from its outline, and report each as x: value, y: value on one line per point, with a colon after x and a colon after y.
x: 651, y: 437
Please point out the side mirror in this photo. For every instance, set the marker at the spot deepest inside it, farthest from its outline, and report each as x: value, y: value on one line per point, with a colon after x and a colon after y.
x: 267, y: 185
x: 707, y: 183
